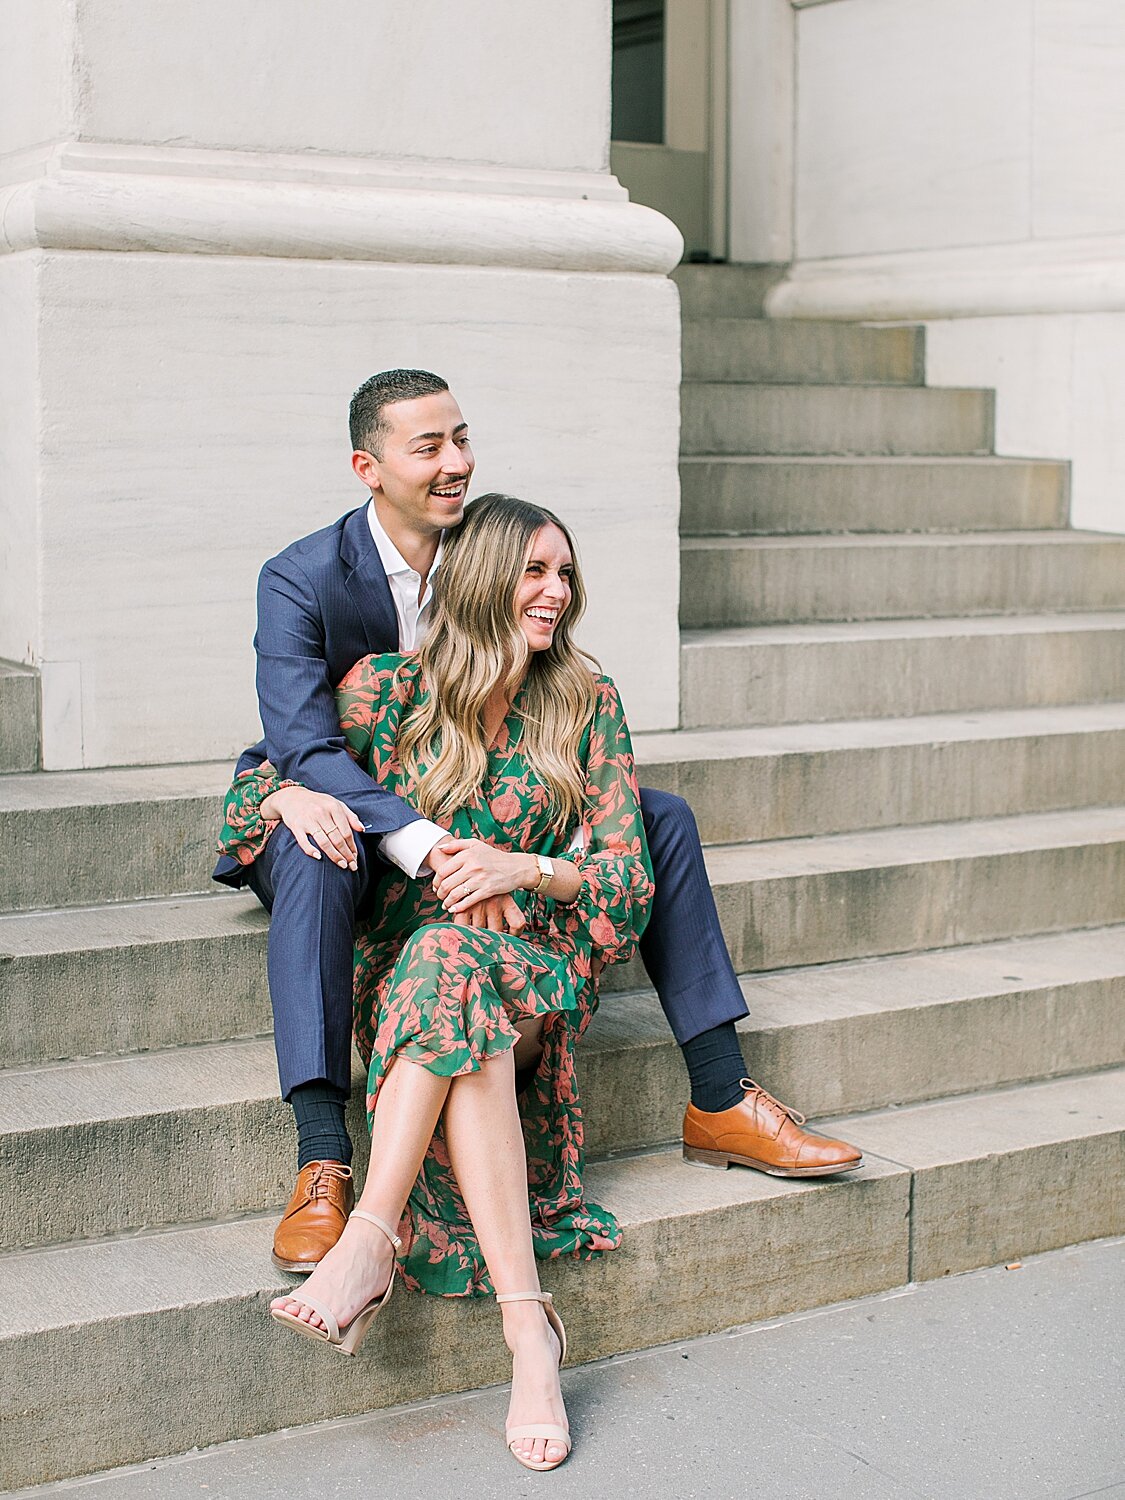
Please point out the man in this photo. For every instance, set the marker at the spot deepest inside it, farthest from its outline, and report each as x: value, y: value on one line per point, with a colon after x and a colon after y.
x: 365, y: 585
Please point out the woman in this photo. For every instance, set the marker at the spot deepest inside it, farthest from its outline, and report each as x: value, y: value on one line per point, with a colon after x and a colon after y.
x: 499, y: 730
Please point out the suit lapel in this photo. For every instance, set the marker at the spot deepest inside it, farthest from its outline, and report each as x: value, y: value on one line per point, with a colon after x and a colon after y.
x: 366, y: 583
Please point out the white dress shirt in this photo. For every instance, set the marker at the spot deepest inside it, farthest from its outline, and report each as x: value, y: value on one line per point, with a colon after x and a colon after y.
x: 407, y: 847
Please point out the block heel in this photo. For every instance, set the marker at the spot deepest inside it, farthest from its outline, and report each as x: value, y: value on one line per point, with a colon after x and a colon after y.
x: 348, y: 1338
x: 695, y: 1156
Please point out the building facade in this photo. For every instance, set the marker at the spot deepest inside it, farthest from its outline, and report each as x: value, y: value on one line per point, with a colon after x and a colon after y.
x: 214, y: 224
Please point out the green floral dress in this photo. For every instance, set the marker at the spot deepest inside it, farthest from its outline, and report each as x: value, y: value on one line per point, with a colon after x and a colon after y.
x: 448, y: 997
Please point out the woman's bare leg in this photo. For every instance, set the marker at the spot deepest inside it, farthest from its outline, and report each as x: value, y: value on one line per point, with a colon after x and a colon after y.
x: 485, y: 1143
x: 359, y: 1265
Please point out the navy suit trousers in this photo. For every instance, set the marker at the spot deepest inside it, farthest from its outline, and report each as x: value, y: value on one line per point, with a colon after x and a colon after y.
x: 314, y: 906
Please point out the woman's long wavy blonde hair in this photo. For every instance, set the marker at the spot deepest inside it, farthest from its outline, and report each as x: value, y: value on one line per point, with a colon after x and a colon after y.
x: 475, y: 645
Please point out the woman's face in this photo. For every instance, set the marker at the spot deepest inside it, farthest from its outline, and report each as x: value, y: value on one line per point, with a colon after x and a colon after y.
x: 544, y: 592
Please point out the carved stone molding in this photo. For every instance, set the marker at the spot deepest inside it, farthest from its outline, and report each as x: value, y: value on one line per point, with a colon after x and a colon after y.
x: 1046, y: 276
x: 232, y: 203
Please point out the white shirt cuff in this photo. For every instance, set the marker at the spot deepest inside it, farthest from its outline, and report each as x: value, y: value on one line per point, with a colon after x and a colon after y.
x: 408, y: 847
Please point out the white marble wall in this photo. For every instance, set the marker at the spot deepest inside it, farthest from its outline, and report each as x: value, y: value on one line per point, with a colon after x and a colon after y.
x: 1078, y: 108
x: 36, y: 72
x: 428, y: 79
x: 195, y: 421
x: 1060, y: 393
x: 215, y: 222
x: 420, y: 80
x: 943, y: 123
x: 761, y: 129
x: 912, y: 124
x: 19, y: 462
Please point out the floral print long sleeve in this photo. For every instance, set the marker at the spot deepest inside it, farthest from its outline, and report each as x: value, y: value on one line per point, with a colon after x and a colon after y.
x: 449, y: 997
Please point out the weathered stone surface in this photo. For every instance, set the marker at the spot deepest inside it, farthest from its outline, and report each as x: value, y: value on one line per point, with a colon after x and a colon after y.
x: 733, y: 291
x: 863, y: 1034
x: 76, y: 837
x: 79, y: 981
x: 84, y: 980
x: 784, y: 674
x: 1002, y: 1175
x: 728, y: 581
x: 143, y: 1317
x: 788, y: 781
x: 718, y: 418
x: 19, y: 718
x: 907, y: 889
x: 775, y: 352
x: 190, y: 1133
x: 763, y: 494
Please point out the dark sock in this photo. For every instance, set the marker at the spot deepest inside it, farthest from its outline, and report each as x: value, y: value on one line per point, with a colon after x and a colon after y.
x: 321, y: 1132
x: 716, y: 1068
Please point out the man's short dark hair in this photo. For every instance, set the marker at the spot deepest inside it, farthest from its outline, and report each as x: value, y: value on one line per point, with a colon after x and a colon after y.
x: 369, y: 427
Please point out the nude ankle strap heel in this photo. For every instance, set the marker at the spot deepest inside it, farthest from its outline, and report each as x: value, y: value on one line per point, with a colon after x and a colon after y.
x: 361, y: 1213
x: 548, y: 1307
x: 348, y: 1338
x: 550, y: 1431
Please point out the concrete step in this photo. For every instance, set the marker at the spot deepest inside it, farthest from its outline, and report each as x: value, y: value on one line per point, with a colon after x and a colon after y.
x: 79, y: 981
x: 793, y: 495
x: 1006, y: 1174
x: 784, y: 674
x: 766, y: 580
x: 19, y: 717
x: 869, y: 1033
x: 72, y: 838
x: 792, y: 780
x: 116, y: 1144
x: 776, y: 352
x: 995, y: 1175
x: 143, y: 1316
x: 764, y: 1399
x: 866, y: 1034
x: 725, y: 291
x: 780, y: 419
x: 904, y: 890
x: 138, y: 1119
x: 196, y: 1133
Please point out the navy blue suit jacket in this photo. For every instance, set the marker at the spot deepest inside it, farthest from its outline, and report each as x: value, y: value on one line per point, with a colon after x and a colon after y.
x: 323, y: 603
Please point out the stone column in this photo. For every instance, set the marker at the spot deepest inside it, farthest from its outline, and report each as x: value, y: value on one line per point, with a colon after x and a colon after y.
x: 215, y: 221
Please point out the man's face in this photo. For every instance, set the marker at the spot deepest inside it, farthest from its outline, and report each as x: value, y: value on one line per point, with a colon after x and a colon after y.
x: 422, y: 478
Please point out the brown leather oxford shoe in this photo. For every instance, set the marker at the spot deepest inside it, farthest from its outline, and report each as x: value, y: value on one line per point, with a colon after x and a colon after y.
x: 762, y: 1133
x: 316, y: 1215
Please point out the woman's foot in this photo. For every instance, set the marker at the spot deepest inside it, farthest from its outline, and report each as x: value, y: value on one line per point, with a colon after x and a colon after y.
x: 536, y: 1392
x: 357, y: 1269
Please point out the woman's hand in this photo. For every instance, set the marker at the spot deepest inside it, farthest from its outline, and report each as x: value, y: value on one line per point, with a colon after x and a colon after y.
x: 475, y: 870
x: 318, y: 822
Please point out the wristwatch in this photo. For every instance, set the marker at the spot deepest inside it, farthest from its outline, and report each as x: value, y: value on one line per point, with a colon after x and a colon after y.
x: 546, y: 873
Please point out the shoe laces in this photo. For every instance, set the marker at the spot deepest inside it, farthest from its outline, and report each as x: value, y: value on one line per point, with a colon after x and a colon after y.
x: 758, y: 1095
x: 320, y: 1182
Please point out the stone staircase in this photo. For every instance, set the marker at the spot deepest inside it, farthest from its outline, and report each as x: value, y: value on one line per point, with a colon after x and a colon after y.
x: 904, y: 733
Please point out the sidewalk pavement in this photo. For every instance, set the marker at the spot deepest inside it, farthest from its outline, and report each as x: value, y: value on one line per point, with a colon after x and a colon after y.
x: 995, y: 1385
